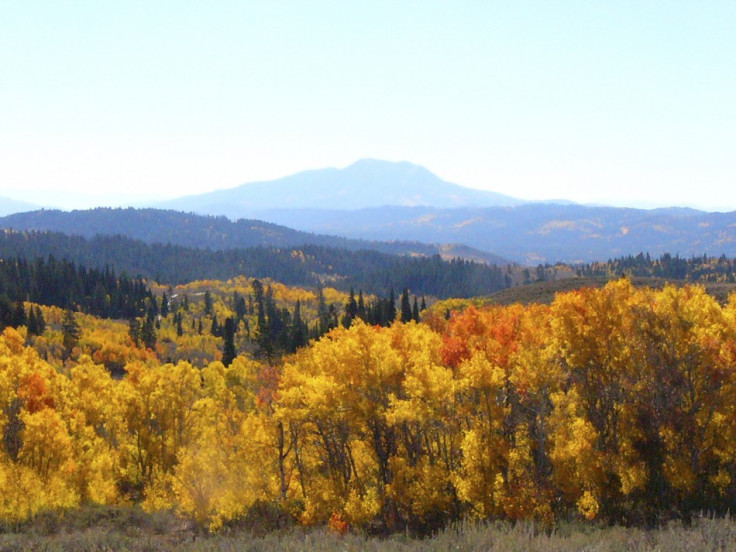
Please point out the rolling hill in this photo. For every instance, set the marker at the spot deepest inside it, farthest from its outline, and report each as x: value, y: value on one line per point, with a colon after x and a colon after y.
x: 535, y: 233
x: 216, y: 233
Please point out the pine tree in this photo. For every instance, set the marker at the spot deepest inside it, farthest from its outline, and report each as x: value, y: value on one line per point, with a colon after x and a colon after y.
x: 70, y: 331
x: 361, y: 306
x: 228, y: 351
x: 6, y: 311
x: 134, y: 331
x: 299, y: 332
x: 215, y: 327
x: 391, y: 308
x: 406, y: 315
x: 178, y: 321
x: 240, y: 307
x: 351, y: 310
x: 415, y: 310
x: 148, y: 334
x: 19, y: 315
x: 32, y: 323
x: 323, y: 315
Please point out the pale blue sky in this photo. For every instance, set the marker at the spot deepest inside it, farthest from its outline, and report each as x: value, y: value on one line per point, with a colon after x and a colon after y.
x: 617, y: 102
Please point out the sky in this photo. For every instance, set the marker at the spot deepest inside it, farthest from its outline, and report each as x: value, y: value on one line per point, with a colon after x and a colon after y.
x: 623, y: 103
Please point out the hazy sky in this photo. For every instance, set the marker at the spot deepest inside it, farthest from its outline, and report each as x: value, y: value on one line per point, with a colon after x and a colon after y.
x: 612, y: 101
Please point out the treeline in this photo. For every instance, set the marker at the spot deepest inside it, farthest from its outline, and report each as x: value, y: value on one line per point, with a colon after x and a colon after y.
x: 62, y: 283
x: 694, y: 269
x: 614, y: 404
x: 371, y: 271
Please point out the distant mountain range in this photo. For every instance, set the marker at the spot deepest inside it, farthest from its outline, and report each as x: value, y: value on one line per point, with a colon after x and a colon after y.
x: 528, y: 234
x: 404, y: 209
x: 379, y: 200
x: 536, y: 233
x: 364, y: 184
x: 9, y: 206
x: 216, y: 233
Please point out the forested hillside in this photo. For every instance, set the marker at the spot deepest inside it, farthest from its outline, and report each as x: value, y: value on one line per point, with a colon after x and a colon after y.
x: 209, y: 232
x: 371, y: 271
x: 614, y: 404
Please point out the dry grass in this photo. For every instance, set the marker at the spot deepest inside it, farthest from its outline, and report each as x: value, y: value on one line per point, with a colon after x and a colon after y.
x: 107, y: 529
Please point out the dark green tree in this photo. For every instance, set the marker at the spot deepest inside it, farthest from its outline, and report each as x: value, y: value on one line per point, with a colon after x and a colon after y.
x: 70, y: 331
x: 239, y: 306
x: 299, y: 330
x: 361, y: 305
x: 178, y: 321
x: 351, y: 310
x: 406, y: 315
x: 164, y: 305
x: 148, y: 333
x: 208, y: 305
x: 6, y: 312
x: 215, y: 327
x: 19, y: 315
x: 391, y: 310
x: 32, y: 324
x: 40, y: 321
x: 228, y: 350
x: 134, y: 331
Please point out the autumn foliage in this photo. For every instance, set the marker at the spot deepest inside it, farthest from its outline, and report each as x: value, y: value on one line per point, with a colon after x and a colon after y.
x: 616, y: 404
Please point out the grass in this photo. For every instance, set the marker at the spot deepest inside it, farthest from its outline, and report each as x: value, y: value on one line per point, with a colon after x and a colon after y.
x: 129, y: 529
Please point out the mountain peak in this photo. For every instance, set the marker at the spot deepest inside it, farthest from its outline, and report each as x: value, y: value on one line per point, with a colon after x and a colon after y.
x: 363, y: 184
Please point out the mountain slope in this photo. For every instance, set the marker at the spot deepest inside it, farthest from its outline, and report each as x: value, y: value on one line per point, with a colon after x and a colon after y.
x: 303, y: 265
x: 535, y: 233
x: 217, y: 233
x: 366, y: 183
x: 9, y: 206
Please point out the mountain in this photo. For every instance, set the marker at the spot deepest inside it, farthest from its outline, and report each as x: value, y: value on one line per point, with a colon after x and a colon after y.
x: 534, y: 233
x: 364, y: 184
x: 528, y: 234
x: 9, y: 206
x: 216, y: 233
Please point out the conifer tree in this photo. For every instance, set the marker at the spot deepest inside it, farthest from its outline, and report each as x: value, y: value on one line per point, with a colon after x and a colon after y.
x: 351, y: 310
x: 361, y: 306
x: 228, y: 352
x: 70, y: 331
x: 32, y: 324
x: 391, y: 310
x: 299, y: 333
x: 215, y: 327
x: 19, y: 315
x: 406, y: 315
x: 148, y: 333
x: 134, y: 331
